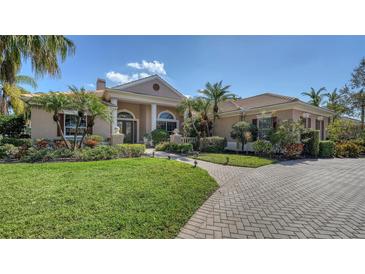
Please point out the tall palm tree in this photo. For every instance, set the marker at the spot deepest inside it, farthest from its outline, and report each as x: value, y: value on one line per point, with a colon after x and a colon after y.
x: 217, y: 93
x: 43, y: 52
x: 54, y: 103
x: 10, y: 94
x: 315, y: 96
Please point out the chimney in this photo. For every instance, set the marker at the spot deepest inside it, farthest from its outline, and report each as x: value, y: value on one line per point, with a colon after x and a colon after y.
x: 100, y: 84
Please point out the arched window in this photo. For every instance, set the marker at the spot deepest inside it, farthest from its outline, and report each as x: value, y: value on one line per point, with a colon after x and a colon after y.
x: 167, y: 121
x: 166, y: 115
x: 125, y: 115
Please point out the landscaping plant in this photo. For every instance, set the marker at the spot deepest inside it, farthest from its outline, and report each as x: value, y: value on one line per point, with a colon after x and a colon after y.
x: 347, y: 149
x: 175, y: 148
x: 242, y: 132
x: 262, y: 147
x: 159, y: 136
x: 213, y: 144
x: 310, y: 139
x: 326, y: 149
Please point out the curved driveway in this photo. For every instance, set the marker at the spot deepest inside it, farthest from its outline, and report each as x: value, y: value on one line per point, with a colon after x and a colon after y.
x: 295, y: 199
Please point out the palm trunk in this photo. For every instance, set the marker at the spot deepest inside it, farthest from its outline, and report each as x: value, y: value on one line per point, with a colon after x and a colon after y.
x: 78, y: 120
x: 62, y: 134
x: 3, y: 105
x: 85, y: 132
x: 362, y: 116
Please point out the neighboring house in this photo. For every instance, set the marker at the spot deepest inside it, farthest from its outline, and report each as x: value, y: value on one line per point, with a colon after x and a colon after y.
x: 266, y: 111
x: 143, y: 105
x: 137, y: 108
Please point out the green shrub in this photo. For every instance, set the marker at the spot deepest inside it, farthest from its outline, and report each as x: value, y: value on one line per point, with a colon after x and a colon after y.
x: 12, y: 125
x: 159, y: 136
x: 16, y: 141
x: 62, y: 153
x: 175, y: 148
x: 97, y: 153
x: 162, y: 146
x: 9, y: 151
x: 262, y: 147
x: 310, y: 139
x: 37, y: 155
x: 326, y: 149
x: 131, y: 150
x: 213, y: 144
x: 347, y: 149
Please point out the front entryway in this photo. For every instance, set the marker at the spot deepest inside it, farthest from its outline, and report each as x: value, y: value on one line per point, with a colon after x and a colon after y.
x: 129, y: 129
x: 128, y: 126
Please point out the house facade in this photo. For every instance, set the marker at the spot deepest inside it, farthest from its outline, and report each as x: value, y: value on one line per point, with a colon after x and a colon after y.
x: 143, y: 105
x: 266, y: 111
x: 137, y: 108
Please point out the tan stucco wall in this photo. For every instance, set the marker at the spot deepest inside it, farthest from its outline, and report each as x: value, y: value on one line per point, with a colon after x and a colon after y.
x: 102, y: 128
x: 223, y: 126
x: 42, y: 124
x: 147, y: 88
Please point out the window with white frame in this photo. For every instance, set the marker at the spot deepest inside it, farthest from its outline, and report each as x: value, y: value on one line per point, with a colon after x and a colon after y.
x: 264, y: 126
x: 70, y: 125
x: 167, y: 121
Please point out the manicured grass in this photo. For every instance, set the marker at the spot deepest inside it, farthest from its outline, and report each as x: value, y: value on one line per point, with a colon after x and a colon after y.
x: 125, y: 198
x: 235, y: 159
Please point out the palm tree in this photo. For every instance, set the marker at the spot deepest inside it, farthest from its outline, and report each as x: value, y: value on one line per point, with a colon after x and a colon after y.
x: 217, y: 93
x: 10, y: 94
x: 95, y: 109
x: 315, y: 96
x: 43, y: 52
x: 80, y: 102
x: 186, y: 106
x: 334, y: 103
x: 203, y: 105
x: 54, y: 103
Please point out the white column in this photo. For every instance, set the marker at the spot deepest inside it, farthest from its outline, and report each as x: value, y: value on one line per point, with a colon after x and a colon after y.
x: 153, y: 116
x: 114, y: 101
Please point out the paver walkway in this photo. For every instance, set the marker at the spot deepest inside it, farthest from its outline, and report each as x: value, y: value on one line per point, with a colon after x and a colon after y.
x: 322, y: 198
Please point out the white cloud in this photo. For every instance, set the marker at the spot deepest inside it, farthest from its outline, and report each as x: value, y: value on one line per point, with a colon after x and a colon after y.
x: 90, y: 85
x: 121, y: 78
x: 154, y: 67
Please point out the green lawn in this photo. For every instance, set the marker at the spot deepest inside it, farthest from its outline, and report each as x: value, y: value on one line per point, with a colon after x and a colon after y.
x: 125, y: 198
x: 235, y: 159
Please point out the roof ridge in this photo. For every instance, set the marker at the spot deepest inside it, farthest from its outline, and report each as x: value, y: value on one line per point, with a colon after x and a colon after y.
x: 127, y: 83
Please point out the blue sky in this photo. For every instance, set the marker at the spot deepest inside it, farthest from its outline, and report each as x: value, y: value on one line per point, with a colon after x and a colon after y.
x: 287, y: 65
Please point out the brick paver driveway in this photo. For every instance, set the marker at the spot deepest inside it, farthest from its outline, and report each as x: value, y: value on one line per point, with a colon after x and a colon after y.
x: 294, y: 199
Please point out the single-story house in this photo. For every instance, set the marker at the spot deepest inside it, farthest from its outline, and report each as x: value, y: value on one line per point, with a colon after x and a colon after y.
x: 137, y: 108
x: 143, y: 105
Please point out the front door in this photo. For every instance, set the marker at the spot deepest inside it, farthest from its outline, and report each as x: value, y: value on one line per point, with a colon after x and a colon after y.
x: 129, y: 130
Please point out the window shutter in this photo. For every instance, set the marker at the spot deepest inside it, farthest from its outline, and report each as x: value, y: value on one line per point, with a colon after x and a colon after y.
x: 61, y: 118
x: 274, y: 122
x: 309, y: 123
x: 254, y: 122
x: 89, y: 126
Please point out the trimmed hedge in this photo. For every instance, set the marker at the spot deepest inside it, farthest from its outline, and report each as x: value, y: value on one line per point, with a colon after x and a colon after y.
x: 310, y: 139
x: 131, y: 150
x: 326, y: 149
x: 175, y: 148
x: 213, y: 144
